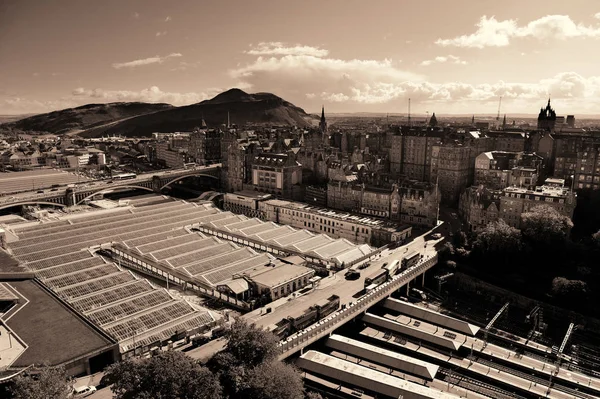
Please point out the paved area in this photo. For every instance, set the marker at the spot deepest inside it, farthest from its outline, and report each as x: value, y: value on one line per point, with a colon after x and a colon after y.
x: 347, y: 290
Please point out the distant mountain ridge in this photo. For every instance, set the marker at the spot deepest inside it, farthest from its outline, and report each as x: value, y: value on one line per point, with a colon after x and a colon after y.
x: 85, y: 116
x: 240, y: 107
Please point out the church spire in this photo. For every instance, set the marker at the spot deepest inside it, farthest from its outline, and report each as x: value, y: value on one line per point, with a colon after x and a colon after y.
x: 203, y: 124
x: 504, y: 121
x: 323, y: 122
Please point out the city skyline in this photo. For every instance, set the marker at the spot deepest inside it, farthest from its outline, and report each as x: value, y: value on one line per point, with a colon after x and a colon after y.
x: 350, y: 56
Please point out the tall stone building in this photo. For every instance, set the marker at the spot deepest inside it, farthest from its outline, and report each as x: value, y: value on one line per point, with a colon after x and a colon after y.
x: 587, y: 171
x: 416, y: 147
x: 205, y: 146
x: 277, y: 174
x: 453, y: 169
x: 546, y: 118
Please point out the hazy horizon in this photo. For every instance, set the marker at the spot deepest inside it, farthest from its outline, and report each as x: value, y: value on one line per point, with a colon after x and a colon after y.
x: 350, y: 56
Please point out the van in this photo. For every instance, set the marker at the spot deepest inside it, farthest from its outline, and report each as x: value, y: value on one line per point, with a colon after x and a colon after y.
x: 82, y: 392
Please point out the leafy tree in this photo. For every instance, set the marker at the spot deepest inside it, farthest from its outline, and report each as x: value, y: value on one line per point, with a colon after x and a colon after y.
x: 498, y: 241
x: 545, y: 225
x: 248, y: 366
x: 314, y: 395
x: 249, y: 345
x: 168, y: 375
x: 273, y: 380
x: 451, y: 264
x: 42, y: 383
x: 568, y: 288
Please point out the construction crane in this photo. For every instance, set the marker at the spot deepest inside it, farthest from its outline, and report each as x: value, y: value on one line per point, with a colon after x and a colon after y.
x: 499, y: 104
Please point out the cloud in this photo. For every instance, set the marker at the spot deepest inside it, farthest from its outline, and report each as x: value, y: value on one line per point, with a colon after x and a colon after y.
x: 152, y: 95
x: 145, y: 61
x: 493, y: 33
x: 597, y: 15
x: 364, y: 85
x: 167, y: 19
x: 158, y: 34
x: 279, y: 48
x: 184, y: 66
x: 440, y: 60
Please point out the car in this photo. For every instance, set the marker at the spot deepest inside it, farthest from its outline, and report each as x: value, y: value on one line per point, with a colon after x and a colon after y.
x: 352, y: 275
x: 40, y: 191
x: 436, y: 236
x: 364, y: 266
x: 82, y: 392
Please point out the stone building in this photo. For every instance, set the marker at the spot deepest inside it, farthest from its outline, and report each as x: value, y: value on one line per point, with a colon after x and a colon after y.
x: 478, y: 207
x: 453, y: 169
x: 499, y: 169
x: 587, y: 170
x: 277, y: 174
x: 515, y: 200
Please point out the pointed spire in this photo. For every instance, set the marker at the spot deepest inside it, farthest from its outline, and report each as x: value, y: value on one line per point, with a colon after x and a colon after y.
x: 473, y: 119
x: 504, y: 121
x: 323, y: 113
x: 203, y: 124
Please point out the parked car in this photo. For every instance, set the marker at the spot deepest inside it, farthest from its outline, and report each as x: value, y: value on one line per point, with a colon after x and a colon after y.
x: 436, y: 236
x: 82, y: 392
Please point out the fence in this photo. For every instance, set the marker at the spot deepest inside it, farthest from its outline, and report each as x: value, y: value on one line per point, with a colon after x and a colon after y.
x: 327, y: 325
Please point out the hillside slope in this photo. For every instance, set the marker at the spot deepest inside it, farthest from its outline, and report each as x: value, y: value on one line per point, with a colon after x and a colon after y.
x: 258, y: 108
x: 85, y: 117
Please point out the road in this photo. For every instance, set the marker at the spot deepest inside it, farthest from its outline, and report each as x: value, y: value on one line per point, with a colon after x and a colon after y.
x: 336, y: 284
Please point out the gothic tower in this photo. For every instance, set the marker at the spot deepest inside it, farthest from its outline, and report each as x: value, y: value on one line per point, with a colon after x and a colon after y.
x: 323, y: 122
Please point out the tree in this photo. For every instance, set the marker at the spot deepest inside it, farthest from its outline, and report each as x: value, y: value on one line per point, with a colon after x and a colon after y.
x: 498, y: 241
x: 249, y: 345
x: 42, y: 383
x: 545, y: 225
x: 168, y: 375
x: 248, y: 366
x: 562, y: 286
x: 273, y: 380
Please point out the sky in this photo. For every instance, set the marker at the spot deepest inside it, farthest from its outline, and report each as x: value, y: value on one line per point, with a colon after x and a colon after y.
x: 448, y: 57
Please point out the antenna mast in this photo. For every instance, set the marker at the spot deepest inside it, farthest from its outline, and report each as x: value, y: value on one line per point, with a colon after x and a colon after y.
x: 499, y: 104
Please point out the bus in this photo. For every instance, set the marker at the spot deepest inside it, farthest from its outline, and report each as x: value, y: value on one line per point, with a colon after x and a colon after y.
x: 410, y: 260
x: 378, y: 278
x: 392, y: 268
x: 125, y: 176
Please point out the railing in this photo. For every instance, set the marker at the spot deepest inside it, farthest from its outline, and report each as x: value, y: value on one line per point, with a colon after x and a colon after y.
x: 319, y: 329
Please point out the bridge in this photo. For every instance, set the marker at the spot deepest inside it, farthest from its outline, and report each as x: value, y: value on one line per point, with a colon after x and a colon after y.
x: 298, y: 341
x: 152, y: 182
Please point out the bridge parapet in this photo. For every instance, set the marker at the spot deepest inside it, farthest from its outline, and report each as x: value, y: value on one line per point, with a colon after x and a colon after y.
x: 323, y: 327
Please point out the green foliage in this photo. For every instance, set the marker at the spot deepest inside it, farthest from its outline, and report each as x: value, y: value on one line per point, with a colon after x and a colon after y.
x: 569, y: 289
x: 42, y: 383
x: 250, y: 345
x: 248, y: 367
x: 273, y: 380
x: 544, y: 225
x: 168, y: 375
x: 498, y: 242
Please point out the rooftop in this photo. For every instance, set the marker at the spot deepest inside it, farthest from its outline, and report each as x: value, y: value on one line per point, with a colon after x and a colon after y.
x: 274, y: 276
x: 53, y: 333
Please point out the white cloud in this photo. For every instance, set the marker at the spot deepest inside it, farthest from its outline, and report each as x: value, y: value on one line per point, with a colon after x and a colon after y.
x: 145, y: 61
x: 597, y: 15
x: 168, y: 19
x: 441, y: 59
x: 152, y: 95
x: 359, y: 85
x: 335, y: 97
x: 158, y: 34
x: 279, y: 48
x: 184, y: 66
x: 493, y: 33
